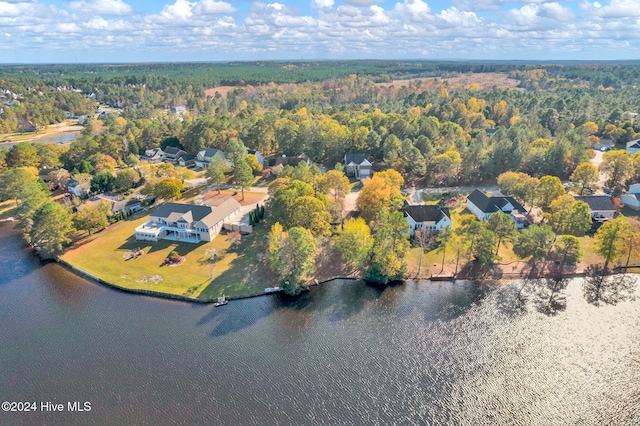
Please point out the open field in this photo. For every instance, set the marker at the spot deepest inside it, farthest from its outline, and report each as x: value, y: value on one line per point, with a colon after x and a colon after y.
x: 236, y: 271
x: 486, y: 81
x: 250, y: 198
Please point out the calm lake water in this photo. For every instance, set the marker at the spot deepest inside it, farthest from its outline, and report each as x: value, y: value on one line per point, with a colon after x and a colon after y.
x: 345, y: 353
x: 55, y: 138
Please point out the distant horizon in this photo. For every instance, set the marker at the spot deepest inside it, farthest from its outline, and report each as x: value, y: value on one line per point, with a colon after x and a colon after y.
x: 409, y: 60
x: 132, y: 31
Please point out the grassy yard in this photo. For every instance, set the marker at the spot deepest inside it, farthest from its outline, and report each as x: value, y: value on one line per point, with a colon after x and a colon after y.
x: 234, y: 272
x: 7, y: 209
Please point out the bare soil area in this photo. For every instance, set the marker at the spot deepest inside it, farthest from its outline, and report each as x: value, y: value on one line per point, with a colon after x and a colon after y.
x: 212, y: 198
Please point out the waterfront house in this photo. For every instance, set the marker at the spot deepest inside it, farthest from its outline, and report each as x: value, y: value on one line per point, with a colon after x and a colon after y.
x: 117, y: 205
x: 358, y: 165
x: 205, y: 155
x: 601, y: 206
x: 484, y: 206
x: 153, y: 155
x: 632, y: 198
x: 426, y: 217
x: 633, y: 146
x: 26, y: 126
x: 187, y: 222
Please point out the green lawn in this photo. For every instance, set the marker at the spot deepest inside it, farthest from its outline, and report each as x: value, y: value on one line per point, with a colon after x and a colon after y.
x: 7, y: 209
x: 234, y: 272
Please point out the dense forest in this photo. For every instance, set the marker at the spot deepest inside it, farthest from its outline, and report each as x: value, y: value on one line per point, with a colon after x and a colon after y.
x: 425, y: 126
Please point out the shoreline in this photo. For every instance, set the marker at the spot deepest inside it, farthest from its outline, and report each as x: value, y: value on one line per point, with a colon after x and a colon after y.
x: 315, y: 283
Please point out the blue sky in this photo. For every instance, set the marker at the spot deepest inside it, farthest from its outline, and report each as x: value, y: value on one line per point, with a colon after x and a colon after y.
x: 35, y: 31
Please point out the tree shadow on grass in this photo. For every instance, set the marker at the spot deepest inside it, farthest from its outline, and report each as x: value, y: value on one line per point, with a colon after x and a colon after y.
x: 181, y: 248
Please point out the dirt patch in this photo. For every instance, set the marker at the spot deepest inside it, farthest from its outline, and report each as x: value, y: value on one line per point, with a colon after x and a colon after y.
x: 213, y: 199
x: 486, y: 81
x: 133, y: 254
x: 150, y: 279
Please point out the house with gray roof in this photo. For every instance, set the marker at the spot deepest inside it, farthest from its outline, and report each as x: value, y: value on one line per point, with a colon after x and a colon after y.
x: 601, y: 206
x: 171, y: 154
x: 205, y: 155
x: 484, y: 206
x: 187, y: 222
x: 358, y: 165
x: 633, y: 146
x: 153, y: 155
x: 424, y: 217
x: 632, y: 198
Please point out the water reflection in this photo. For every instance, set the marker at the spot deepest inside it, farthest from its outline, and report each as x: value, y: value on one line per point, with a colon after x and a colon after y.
x: 609, y: 289
x: 528, y: 352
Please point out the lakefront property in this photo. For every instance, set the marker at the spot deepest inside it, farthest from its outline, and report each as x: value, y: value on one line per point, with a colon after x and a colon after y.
x: 187, y: 222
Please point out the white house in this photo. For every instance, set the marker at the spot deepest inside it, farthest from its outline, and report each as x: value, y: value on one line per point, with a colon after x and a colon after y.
x: 484, y: 206
x: 203, y: 159
x: 601, y: 206
x: 632, y: 199
x: 357, y: 165
x: 153, y: 155
x: 633, y: 146
x: 426, y: 218
x: 186, y: 222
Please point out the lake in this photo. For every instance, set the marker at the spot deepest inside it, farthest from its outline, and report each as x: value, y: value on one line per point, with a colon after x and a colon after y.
x: 344, y: 353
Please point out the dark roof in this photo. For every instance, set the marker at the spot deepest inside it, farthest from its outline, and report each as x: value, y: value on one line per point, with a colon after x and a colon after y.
x: 494, y: 203
x: 603, y: 143
x: 123, y: 204
x: 198, y: 212
x: 597, y: 202
x: 356, y: 158
x: 285, y: 161
x: 425, y: 213
x: 252, y: 151
x: 490, y: 132
x: 185, y: 156
x: 171, y: 150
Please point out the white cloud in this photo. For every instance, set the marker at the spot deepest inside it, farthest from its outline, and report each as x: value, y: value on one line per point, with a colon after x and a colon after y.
x: 212, y: 7
x: 319, y: 4
x: 361, y: 3
x: 102, y: 7
x: 615, y: 9
x: 414, y: 11
x: 219, y: 29
x: 478, y: 5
